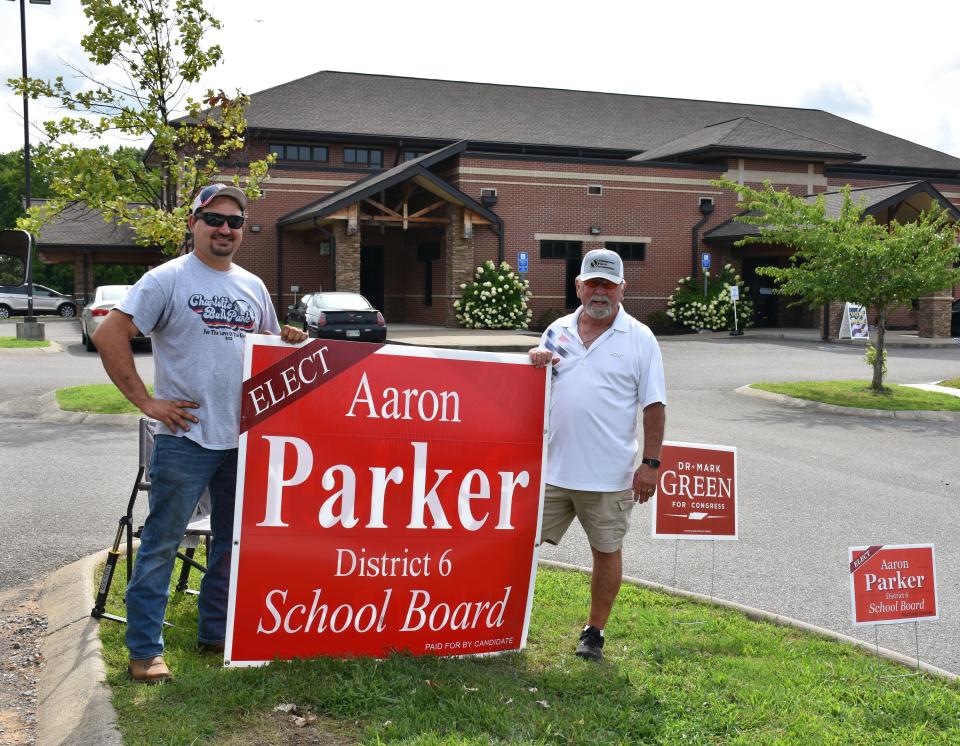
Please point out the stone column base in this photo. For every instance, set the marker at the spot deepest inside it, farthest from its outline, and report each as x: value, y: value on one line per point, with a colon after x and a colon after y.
x: 933, y: 317
x: 32, y: 330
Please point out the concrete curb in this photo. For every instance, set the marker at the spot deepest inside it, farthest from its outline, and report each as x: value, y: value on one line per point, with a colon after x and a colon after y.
x: 758, y: 615
x: 74, y: 705
x: 51, y: 412
x: 790, y: 401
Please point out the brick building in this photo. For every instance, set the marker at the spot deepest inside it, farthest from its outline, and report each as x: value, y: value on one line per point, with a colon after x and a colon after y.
x: 399, y: 187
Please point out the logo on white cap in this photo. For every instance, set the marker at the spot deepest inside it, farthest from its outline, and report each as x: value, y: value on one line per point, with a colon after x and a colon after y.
x: 602, y: 263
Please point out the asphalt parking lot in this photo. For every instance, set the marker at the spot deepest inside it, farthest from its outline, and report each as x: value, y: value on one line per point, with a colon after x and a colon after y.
x: 811, y: 484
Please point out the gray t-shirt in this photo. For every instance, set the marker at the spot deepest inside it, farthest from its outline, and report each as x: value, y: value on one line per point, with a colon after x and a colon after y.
x: 197, y: 318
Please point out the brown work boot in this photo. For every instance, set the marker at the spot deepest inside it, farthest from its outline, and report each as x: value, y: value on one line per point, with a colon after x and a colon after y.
x: 149, y: 670
x: 215, y: 648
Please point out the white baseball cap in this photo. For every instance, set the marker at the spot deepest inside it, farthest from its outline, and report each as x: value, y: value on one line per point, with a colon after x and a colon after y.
x: 602, y: 263
x: 210, y: 192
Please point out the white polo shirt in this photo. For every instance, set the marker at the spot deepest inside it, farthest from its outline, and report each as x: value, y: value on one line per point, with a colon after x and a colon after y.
x: 597, y: 393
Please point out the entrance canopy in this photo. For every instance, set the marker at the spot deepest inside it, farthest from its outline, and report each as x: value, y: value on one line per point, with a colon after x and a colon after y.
x: 407, y: 195
x: 902, y: 202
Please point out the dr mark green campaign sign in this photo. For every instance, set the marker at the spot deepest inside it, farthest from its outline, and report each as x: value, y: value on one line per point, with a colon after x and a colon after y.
x: 696, y: 495
x: 388, y: 499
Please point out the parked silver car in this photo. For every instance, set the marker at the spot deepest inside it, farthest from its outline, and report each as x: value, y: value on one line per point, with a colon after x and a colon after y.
x: 105, y: 298
x: 13, y: 300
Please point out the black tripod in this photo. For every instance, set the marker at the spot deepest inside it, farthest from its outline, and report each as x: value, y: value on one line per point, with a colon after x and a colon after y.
x: 125, y: 527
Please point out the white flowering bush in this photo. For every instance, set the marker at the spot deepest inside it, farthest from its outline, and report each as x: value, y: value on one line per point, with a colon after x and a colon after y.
x: 688, y: 306
x: 495, y: 299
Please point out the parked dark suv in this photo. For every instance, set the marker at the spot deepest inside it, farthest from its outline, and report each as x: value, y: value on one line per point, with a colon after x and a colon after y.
x: 955, y: 319
x: 13, y: 300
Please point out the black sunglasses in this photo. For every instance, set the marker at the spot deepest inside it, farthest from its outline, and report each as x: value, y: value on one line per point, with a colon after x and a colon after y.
x: 215, y: 220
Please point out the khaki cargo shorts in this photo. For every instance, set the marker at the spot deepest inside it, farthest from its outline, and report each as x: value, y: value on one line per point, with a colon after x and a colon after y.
x: 605, y: 516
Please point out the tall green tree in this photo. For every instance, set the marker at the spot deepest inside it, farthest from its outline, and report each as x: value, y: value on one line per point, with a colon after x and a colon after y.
x: 12, y: 184
x: 153, y: 51
x: 850, y: 256
x: 12, y: 189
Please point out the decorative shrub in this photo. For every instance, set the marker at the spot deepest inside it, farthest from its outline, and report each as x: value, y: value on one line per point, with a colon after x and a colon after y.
x: 688, y: 306
x: 496, y: 299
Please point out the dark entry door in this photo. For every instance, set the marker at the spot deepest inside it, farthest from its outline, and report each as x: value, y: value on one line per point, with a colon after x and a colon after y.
x: 765, y: 303
x: 371, y: 274
x: 573, y: 271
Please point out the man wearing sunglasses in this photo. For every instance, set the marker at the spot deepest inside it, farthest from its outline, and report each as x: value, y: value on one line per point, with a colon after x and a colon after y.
x: 197, y: 309
x: 607, y: 369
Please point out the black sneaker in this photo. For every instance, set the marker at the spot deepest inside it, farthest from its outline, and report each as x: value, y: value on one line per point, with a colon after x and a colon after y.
x: 590, y: 646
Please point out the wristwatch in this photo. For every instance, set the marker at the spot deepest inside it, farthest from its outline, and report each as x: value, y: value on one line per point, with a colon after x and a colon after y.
x: 653, y: 463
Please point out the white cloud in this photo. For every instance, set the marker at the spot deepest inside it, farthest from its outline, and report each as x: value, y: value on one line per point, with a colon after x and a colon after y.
x: 837, y: 99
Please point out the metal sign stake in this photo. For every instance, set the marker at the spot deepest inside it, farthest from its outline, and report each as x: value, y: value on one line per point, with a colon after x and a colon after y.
x: 916, y: 641
x: 673, y: 584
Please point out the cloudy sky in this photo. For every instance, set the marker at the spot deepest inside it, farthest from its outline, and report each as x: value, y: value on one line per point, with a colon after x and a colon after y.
x: 887, y: 65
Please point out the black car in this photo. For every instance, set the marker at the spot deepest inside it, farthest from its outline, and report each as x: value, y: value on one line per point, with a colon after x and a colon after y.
x: 955, y: 319
x: 343, y: 316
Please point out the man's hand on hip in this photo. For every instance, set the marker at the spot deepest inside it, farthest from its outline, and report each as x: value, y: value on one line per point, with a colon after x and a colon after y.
x: 172, y: 413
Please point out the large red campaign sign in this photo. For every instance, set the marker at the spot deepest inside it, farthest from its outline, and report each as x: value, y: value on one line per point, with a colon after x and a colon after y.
x: 389, y: 499
x: 696, y: 496
x: 893, y: 583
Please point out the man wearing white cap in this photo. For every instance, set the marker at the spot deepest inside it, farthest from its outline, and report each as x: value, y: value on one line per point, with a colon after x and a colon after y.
x: 607, y: 369
x: 197, y: 309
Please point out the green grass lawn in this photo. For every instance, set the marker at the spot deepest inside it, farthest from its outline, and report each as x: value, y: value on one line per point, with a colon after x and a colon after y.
x: 859, y: 394
x: 97, y: 398
x: 952, y: 382
x: 726, y: 680
x: 12, y: 343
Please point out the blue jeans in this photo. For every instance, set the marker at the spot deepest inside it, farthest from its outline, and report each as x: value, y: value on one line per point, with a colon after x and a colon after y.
x: 179, y: 472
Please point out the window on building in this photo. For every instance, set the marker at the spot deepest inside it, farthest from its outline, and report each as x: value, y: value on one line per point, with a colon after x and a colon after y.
x: 409, y: 155
x: 629, y: 251
x: 594, y: 189
x: 561, y: 249
x: 290, y: 152
x: 369, y: 157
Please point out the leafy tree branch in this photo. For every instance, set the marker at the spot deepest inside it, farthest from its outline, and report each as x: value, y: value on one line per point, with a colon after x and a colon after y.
x: 153, y: 51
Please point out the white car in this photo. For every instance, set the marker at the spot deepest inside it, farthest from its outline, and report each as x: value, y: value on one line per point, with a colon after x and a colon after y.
x: 105, y: 298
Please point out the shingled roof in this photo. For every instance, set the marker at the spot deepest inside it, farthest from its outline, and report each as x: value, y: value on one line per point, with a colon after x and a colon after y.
x: 744, y: 134
x: 873, y: 200
x: 339, y: 103
x: 79, y: 225
x: 414, y: 169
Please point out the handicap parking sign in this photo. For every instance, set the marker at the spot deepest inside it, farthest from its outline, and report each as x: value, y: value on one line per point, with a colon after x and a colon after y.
x: 705, y: 260
x: 522, y: 261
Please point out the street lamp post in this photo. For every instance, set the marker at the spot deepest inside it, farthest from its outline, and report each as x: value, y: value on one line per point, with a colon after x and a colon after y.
x: 30, y: 328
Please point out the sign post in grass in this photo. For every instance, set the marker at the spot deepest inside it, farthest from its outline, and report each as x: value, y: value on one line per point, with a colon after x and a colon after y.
x: 893, y: 584
x: 696, y: 497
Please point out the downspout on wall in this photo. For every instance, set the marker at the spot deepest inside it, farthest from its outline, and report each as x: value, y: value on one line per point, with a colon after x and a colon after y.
x: 706, y: 209
x: 489, y: 202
